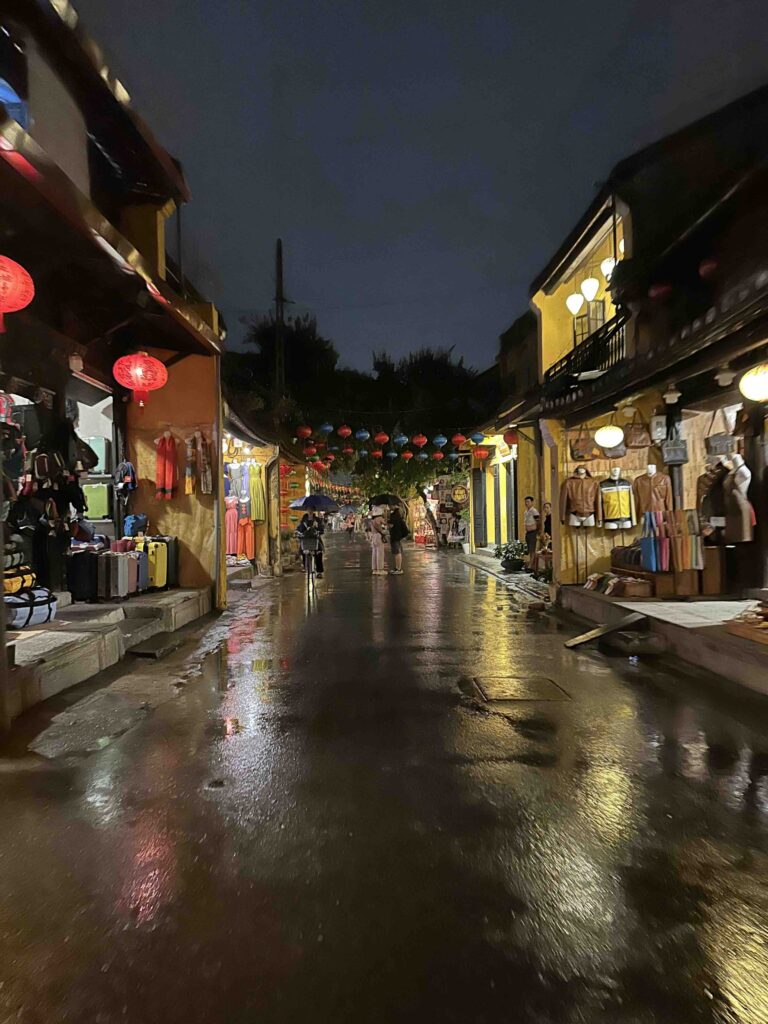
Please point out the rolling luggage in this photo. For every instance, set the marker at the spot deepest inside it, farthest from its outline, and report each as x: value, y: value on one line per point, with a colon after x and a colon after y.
x: 157, y: 552
x: 99, y: 501
x: 142, y: 561
x: 113, y: 575
x: 172, y: 544
x: 124, y: 545
x: 83, y: 575
x: 133, y: 572
x: 29, y: 608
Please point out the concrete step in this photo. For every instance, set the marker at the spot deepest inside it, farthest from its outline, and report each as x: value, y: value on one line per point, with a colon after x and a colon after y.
x: 239, y: 572
x: 137, y: 629
x: 174, y: 608
x: 102, y: 614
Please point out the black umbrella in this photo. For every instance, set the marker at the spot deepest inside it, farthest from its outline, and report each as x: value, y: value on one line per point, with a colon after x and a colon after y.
x: 315, y: 503
x: 387, y: 499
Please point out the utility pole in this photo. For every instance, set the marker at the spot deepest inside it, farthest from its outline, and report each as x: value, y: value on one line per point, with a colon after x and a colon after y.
x: 279, y: 325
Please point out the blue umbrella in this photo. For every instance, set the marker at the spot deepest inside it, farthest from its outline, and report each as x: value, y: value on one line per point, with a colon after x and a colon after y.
x: 315, y: 503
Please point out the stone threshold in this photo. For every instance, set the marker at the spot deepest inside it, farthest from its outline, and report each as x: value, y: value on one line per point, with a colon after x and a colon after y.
x: 526, y: 588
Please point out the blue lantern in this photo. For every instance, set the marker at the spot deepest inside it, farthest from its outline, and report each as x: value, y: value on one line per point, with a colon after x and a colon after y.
x: 439, y: 441
x: 326, y: 428
x: 423, y: 456
x: 478, y: 437
x: 333, y: 447
x: 391, y: 455
x: 400, y: 440
x: 362, y: 435
x: 453, y: 455
x: 362, y: 453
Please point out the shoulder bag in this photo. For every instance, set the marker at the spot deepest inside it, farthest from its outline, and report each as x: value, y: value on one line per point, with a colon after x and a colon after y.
x: 583, y: 447
x: 637, y: 435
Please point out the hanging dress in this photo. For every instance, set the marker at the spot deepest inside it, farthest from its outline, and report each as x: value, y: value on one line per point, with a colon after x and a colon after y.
x: 258, y: 497
x: 230, y: 524
x: 166, y: 468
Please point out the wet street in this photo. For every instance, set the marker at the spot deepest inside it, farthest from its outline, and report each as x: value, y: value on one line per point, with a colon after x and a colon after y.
x: 337, y: 813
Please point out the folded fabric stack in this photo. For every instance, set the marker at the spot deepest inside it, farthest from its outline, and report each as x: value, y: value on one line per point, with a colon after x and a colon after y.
x: 671, y: 541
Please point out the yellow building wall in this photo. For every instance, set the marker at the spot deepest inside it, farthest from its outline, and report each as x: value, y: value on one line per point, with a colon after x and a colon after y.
x: 528, y: 475
x: 190, y: 401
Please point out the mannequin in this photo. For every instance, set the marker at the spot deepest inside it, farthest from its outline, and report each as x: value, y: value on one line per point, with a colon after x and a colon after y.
x: 739, y: 514
x: 580, y: 500
x: 652, y: 491
x: 618, y: 502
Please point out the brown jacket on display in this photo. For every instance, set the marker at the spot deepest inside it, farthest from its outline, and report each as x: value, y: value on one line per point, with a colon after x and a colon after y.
x: 580, y: 496
x: 652, y: 493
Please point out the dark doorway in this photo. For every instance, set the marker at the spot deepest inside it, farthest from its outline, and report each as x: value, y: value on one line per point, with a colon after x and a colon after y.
x: 510, y: 469
x: 497, y: 538
x: 478, y: 508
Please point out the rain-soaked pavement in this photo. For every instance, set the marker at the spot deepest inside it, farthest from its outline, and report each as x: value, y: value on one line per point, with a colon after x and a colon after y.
x: 329, y: 823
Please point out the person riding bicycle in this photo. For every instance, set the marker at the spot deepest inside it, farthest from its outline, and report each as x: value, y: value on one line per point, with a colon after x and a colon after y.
x: 310, y: 533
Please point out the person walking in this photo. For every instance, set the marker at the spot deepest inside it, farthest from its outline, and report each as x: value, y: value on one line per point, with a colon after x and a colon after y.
x: 398, y: 532
x: 378, y: 532
x: 311, y: 528
x: 531, y: 519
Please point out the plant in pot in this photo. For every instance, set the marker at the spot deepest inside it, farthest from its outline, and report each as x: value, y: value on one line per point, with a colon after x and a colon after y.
x: 512, y: 555
x: 464, y: 520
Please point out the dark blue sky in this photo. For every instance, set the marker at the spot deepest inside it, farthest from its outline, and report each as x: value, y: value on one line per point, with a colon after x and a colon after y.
x: 421, y: 160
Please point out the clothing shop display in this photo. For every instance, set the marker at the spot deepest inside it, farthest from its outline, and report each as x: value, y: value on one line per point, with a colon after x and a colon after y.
x: 246, y: 541
x: 710, y: 494
x: 230, y: 524
x: 652, y: 492
x: 198, y: 475
x: 740, y: 518
x: 257, y: 494
x: 166, y: 467
x: 618, y: 503
x: 580, y: 498
x: 671, y: 541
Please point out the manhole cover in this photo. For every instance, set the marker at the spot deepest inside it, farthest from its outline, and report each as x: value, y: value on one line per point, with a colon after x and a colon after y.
x: 519, y: 688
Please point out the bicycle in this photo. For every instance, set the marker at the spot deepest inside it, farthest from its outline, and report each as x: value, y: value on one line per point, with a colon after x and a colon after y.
x: 309, y: 547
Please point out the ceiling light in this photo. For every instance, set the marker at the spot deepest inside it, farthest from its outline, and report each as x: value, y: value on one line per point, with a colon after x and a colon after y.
x: 754, y: 384
x: 725, y: 376
x: 609, y: 436
x: 607, y: 267
x: 671, y: 396
x: 590, y: 286
x: 574, y: 302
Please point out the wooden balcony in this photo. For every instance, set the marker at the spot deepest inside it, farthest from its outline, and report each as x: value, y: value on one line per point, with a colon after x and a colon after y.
x: 604, y: 349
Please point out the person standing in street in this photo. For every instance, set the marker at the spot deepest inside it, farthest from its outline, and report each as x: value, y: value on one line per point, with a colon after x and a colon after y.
x: 546, y: 508
x: 531, y: 524
x: 398, y: 532
x: 378, y: 532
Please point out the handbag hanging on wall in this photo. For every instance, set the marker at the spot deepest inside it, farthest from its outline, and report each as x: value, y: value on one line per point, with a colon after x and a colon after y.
x: 583, y: 447
x: 674, y: 450
x: 722, y: 443
x: 637, y: 435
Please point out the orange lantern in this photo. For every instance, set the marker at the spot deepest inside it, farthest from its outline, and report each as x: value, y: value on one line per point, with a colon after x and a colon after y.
x: 17, y: 289
x: 481, y: 453
x: 141, y: 373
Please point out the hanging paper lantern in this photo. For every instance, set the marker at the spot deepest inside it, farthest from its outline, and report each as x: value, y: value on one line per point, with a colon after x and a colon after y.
x: 310, y: 450
x: 17, y: 289
x: 326, y: 428
x: 344, y: 431
x: 660, y: 291
x: 481, y: 453
x: 400, y: 440
x: 391, y: 455
x: 377, y: 453
x: 381, y: 437
x: 440, y: 441
x: 141, y: 373
x: 407, y: 456
x: 437, y: 456
x: 362, y: 435
x: 348, y: 451
x: 319, y: 466
x: 510, y: 437
x: 362, y: 453
x: 477, y: 437
x: 330, y: 457
x: 453, y: 455
x: 422, y: 456
x: 458, y: 439
x: 708, y: 268
x: 303, y: 432
x: 419, y: 440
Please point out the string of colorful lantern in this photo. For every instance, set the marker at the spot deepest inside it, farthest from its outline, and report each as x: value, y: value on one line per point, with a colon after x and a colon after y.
x: 319, y: 448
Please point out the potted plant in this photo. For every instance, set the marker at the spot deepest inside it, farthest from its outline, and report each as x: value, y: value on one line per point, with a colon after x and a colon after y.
x: 512, y: 555
x: 464, y: 520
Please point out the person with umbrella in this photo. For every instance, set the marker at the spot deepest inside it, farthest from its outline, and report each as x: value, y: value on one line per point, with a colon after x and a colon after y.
x: 378, y: 532
x: 310, y: 533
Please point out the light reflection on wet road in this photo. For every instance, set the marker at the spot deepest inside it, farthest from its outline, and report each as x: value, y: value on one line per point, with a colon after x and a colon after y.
x: 329, y: 824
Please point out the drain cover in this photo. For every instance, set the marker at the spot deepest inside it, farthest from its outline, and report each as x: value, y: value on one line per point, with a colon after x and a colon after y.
x: 519, y: 688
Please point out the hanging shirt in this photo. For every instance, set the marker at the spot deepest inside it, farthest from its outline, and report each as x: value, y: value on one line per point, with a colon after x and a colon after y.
x: 616, y: 497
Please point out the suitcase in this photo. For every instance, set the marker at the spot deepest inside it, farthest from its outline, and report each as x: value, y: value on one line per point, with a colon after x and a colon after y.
x: 102, y: 446
x: 142, y: 559
x: 172, y: 544
x: 157, y: 552
x: 113, y: 575
x: 99, y: 502
x: 133, y: 572
x: 30, y: 607
x: 124, y: 545
x: 83, y: 575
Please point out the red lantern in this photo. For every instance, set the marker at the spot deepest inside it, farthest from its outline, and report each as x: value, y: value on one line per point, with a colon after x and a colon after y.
x: 407, y: 456
x: 458, y: 440
x: 377, y: 453
x: 708, y: 268
x: 17, y: 289
x: 303, y: 432
x: 330, y: 457
x: 481, y: 453
x: 419, y: 440
x: 344, y: 431
x: 318, y: 466
x: 310, y: 450
x: 510, y: 437
x: 141, y: 373
x: 437, y: 456
x: 381, y: 437
x: 347, y: 451
x: 659, y: 291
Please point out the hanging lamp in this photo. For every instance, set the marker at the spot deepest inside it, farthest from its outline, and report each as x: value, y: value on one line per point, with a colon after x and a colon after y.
x: 17, y: 289
x: 141, y: 373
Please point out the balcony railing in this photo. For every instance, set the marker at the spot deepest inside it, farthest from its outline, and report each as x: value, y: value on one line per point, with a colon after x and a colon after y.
x: 602, y: 350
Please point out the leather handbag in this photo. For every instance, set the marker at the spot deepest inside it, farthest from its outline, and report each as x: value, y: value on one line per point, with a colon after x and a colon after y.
x: 583, y: 447
x: 722, y: 443
x: 615, y: 453
x: 637, y: 435
x: 674, y: 451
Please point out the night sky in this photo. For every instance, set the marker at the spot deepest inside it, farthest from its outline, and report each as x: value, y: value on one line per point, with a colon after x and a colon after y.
x: 421, y: 160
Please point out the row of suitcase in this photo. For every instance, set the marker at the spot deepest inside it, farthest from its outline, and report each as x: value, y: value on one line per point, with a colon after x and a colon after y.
x: 151, y: 565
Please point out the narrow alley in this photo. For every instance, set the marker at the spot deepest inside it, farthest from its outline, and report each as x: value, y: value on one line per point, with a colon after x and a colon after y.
x: 396, y: 799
